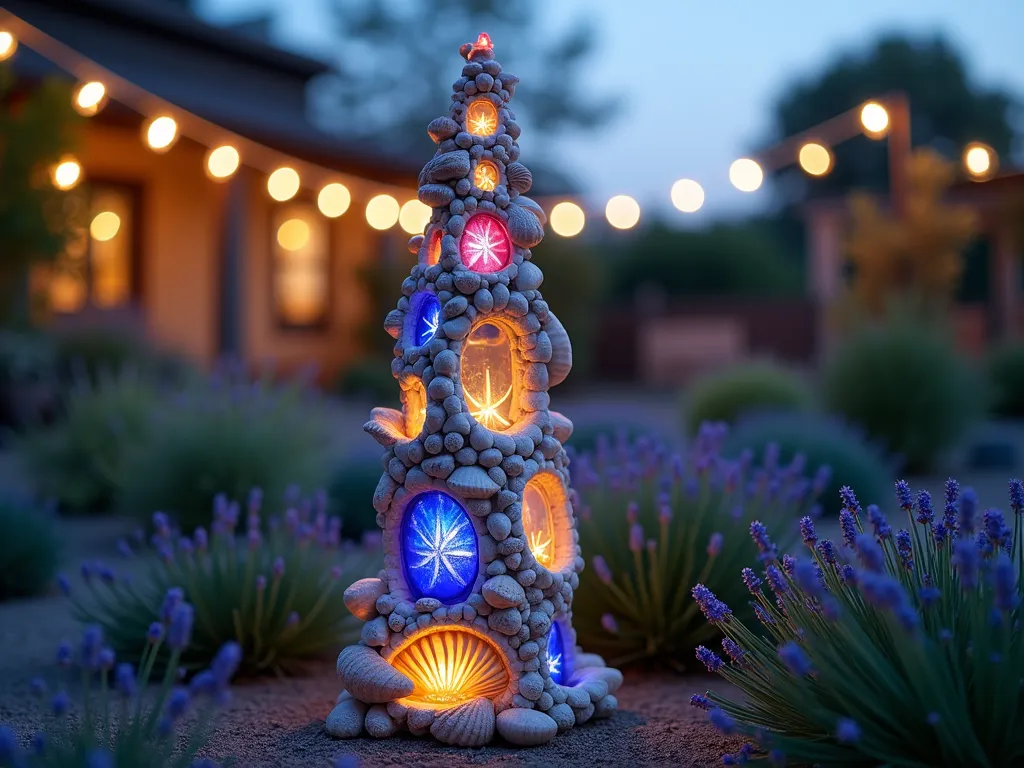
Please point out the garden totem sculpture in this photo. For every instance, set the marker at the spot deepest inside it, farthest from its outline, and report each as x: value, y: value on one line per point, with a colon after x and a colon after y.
x: 469, y: 625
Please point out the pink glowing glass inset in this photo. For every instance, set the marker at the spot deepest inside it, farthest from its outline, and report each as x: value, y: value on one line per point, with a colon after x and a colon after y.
x: 485, y: 245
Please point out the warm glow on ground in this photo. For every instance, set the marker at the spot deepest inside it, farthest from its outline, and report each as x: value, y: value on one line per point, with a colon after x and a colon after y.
x: 382, y: 212
x: 875, y: 119
x: 622, y: 212
x: 815, y: 158
x: 162, y: 133
x: 222, y: 162
x: 333, y: 200
x: 283, y: 184
x: 482, y: 118
x: 451, y: 665
x: 567, y: 219
x: 66, y: 174
x: 746, y: 175
x: 105, y: 226
x: 414, y: 216
x: 89, y: 98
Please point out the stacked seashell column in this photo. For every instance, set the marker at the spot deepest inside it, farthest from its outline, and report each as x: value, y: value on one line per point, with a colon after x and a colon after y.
x: 469, y: 626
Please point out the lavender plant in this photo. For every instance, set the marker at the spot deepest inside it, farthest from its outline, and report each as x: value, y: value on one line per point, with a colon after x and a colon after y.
x: 651, y: 521
x: 119, y: 725
x: 275, y: 590
x: 895, y: 647
x: 29, y: 549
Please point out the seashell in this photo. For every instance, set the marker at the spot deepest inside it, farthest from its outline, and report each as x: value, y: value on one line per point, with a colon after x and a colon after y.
x: 561, y: 351
x: 533, y: 207
x: 346, y: 719
x: 415, y: 243
x: 562, y: 431
x: 472, y: 483
x: 450, y: 165
x: 524, y: 229
x: 436, y: 195
x: 503, y: 591
x: 369, y: 678
x: 419, y: 719
x: 470, y: 724
x: 519, y: 177
x: 451, y: 666
x: 529, y: 277
x: 442, y: 128
x: 582, y: 660
x: 378, y: 722
x: 361, y: 597
x: 394, y: 322
x: 611, y: 678
x: 525, y: 727
x: 386, y: 426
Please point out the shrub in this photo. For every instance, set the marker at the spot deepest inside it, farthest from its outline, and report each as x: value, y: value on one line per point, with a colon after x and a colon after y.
x: 586, y: 437
x: 29, y: 550
x: 891, y: 649
x: 90, y: 352
x: 226, y: 435
x: 907, y: 386
x: 652, y: 522
x: 822, y: 441
x: 27, y: 387
x: 277, y: 593
x: 129, y: 728
x: 77, y: 459
x: 1006, y: 380
x: 727, y: 394
x: 351, y: 494
x: 369, y: 380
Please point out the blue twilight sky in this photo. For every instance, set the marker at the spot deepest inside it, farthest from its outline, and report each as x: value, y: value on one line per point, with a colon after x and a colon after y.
x: 711, y: 87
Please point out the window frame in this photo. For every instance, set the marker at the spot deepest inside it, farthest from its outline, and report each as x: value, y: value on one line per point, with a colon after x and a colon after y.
x: 323, y: 323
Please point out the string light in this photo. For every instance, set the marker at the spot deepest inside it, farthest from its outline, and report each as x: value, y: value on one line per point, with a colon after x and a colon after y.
x: 105, y: 226
x: 815, y: 158
x: 333, y: 200
x: 382, y: 212
x: 979, y: 160
x: 687, y: 195
x: 90, y: 98
x: 414, y: 217
x: 283, y: 184
x: 746, y: 175
x: 567, y: 219
x: 222, y: 162
x: 8, y: 44
x: 875, y: 119
x: 66, y: 174
x: 622, y: 212
x: 161, y: 133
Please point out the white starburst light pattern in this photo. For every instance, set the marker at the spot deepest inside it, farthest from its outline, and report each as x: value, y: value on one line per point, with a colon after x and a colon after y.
x: 486, y: 410
x: 485, y: 244
x: 540, y: 546
x: 555, y: 665
x: 443, y: 544
x: 430, y: 322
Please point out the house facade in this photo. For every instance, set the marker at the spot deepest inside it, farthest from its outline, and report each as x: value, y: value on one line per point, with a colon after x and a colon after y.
x: 208, y: 267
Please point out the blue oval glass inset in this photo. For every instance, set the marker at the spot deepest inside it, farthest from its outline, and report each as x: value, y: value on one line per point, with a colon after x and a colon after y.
x: 440, y: 555
x: 558, y: 659
x: 428, y: 317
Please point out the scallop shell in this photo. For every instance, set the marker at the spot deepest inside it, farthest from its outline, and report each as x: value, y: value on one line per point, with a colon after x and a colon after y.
x: 436, y: 195
x: 561, y: 351
x: 468, y: 725
x: 369, y: 678
x: 450, y: 666
x: 561, y: 426
x: 533, y: 207
x: 442, y: 128
x: 415, y: 243
x: 450, y: 165
x: 378, y: 722
x: 519, y: 177
x: 386, y: 426
x: 394, y: 322
x: 525, y: 229
x: 526, y: 727
x: 346, y: 719
x: 361, y: 598
x: 472, y: 482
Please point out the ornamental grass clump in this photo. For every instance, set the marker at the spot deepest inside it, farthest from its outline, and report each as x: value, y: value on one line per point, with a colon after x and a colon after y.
x: 893, y: 647
x: 121, y: 724
x: 30, y: 549
x: 275, y: 588
x: 652, y: 521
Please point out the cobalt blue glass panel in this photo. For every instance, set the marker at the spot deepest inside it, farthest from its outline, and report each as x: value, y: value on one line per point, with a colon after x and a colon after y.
x: 427, y: 318
x: 558, y: 659
x: 439, y: 548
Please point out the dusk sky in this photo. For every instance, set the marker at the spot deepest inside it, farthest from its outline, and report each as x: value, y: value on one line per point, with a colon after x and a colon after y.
x: 699, y: 78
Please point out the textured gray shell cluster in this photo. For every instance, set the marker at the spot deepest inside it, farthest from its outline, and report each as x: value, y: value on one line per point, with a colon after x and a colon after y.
x: 515, y: 599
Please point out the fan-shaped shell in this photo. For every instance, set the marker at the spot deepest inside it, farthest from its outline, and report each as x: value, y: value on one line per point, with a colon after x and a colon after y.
x: 519, y: 177
x: 561, y: 351
x: 468, y: 725
x: 450, y: 666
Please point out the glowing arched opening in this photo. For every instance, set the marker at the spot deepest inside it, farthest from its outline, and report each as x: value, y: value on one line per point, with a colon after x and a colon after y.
x: 449, y: 665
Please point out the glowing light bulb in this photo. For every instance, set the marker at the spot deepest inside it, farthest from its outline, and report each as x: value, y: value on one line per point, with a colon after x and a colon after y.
x: 687, y: 195
x: 382, y: 212
x: 162, y: 133
x: 414, y: 216
x: 875, y: 119
x: 8, y: 44
x: 622, y: 212
x: 90, y: 98
x: 222, y: 162
x: 979, y: 160
x: 333, y: 200
x: 746, y: 175
x: 482, y: 118
x: 66, y: 174
x: 815, y: 158
x: 105, y: 226
x: 283, y: 184
x: 567, y: 219
x: 293, y: 235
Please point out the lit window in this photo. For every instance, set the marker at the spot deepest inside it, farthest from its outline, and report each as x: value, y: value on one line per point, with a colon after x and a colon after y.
x: 488, y: 378
x: 98, y: 265
x: 485, y: 177
x: 482, y: 118
x: 301, y: 253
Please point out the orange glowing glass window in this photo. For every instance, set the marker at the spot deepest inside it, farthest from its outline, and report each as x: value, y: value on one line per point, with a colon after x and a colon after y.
x: 488, y: 376
x: 414, y: 408
x: 482, y: 118
x: 448, y: 666
x: 538, y: 524
x: 434, y: 248
x: 485, y: 177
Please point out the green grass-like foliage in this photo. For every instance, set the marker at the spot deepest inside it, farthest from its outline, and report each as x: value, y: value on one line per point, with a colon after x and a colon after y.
x: 95, y: 352
x: 119, y: 724
x: 29, y: 550
x: 1005, y: 366
x: 226, y: 435
x: 824, y: 441
x: 77, y: 459
x: 730, y: 393
x: 652, y: 522
x: 350, y: 492
x: 276, y: 590
x: 907, y: 387
x: 897, y: 649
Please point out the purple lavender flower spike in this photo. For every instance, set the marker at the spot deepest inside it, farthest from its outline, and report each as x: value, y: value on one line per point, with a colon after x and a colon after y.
x: 776, y: 581
x: 732, y: 649
x: 701, y: 702
x: 805, y: 574
x: 965, y: 559
x: 714, y: 610
x: 764, y: 544
x: 751, y: 581
x: 261, y: 583
x: 903, y: 496
x: 869, y: 553
x: 847, y: 731
x: 722, y: 721
x: 925, y: 513
x: 156, y: 632
x: 968, y: 510
x: 849, y: 528
x: 904, y: 549
x: 807, y: 532
x: 636, y: 538
x: 821, y: 480
x: 795, y: 659
x: 172, y: 599
x: 124, y: 680
x: 939, y: 533
x: 277, y: 569
x: 848, y: 575
x: 92, y: 644
x: 63, y: 584
x: 762, y: 614
x: 715, y: 544
x: 61, y: 703
x: 601, y: 569
x: 1016, y: 496
x: 849, y: 499
x: 179, y: 633
x: 1004, y: 579
x: 788, y: 563
x: 709, y: 658
x: 828, y: 551
x: 609, y: 624
x: 878, y: 522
